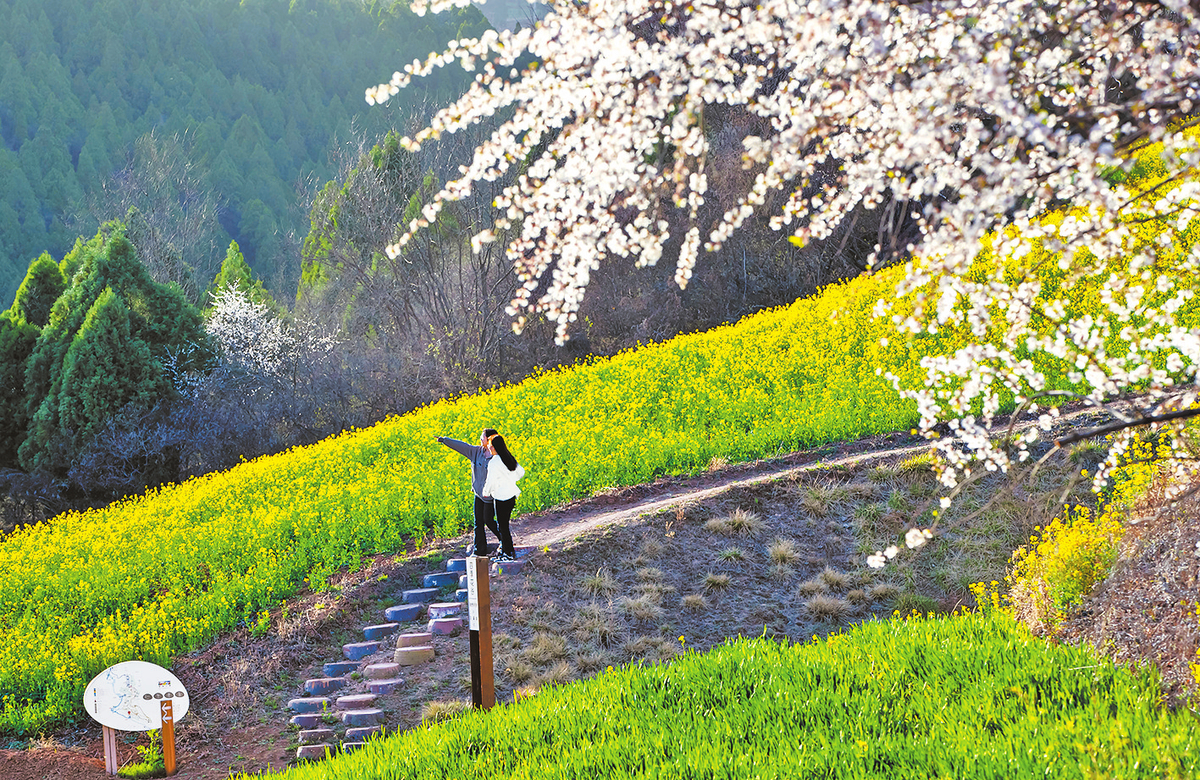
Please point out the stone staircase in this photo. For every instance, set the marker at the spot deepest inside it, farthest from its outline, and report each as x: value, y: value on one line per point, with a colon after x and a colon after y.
x: 327, y: 722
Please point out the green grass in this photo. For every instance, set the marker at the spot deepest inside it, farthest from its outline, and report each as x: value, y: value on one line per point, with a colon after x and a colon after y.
x: 968, y: 696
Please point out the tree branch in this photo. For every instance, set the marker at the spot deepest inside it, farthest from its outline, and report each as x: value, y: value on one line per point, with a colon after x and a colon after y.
x: 1120, y: 425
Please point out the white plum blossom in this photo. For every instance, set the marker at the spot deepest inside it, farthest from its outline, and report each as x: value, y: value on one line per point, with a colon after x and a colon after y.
x: 967, y: 120
x: 916, y: 537
x: 248, y: 337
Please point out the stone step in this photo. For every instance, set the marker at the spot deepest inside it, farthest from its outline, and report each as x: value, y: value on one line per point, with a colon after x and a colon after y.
x: 501, y: 568
x: 339, y: 668
x: 445, y: 609
x: 309, y: 704
x: 358, y: 650
x: 402, y: 613
x: 440, y: 579
x: 410, y: 640
x: 355, y: 701
x: 367, y: 717
x: 381, y: 630
x: 381, y: 671
x: 383, y: 687
x: 309, y: 721
x: 315, y: 751
x: 524, y: 552
x: 315, y: 736
x: 444, y: 626
x: 364, y: 733
x: 419, y: 595
x: 413, y: 655
x: 323, y: 685
x: 456, y: 564
x: 350, y: 747
x: 461, y: 594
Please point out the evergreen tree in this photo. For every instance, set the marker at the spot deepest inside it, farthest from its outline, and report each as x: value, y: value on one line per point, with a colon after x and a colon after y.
x: 16, y: 343
x: 236, y: 272
x: 159, y: 319
x: 43, y: 284
x: 105, y: 369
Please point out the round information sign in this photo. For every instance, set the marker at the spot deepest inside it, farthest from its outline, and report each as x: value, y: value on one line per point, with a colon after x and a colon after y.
x: 127, y: 696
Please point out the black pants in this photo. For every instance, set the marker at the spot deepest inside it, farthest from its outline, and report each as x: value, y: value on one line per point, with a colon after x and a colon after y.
x: 496, y: 516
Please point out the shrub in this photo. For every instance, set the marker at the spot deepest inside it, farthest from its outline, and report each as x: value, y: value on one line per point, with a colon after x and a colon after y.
x: 1061, y: 565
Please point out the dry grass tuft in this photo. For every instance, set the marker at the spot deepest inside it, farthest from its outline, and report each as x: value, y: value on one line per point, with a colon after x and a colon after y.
x: 826, y: 607
x: 46, y: 742
x: 592, y: 661
x: 718, y: 462
x: 651, y: 547
x: 599, y: 584
x: 503, y: 641
x: 642, y: 609
x: 559, y: 674
x: 693, y: 602
x: 783, y: 551
x: 858, y: 596
x: 740, y: 522
x: 544, y: 648
x: 782, y: 572
x: 519, y: 671
x: 651, y: 648
x: 716, y: 581
x: 653, y: 591
x: 438, y: 711
x: 730, y: 554
x: 650, y: 574
x: 812, y: 587
x: 884, y: 591
x: 593, y: 622
x: 836, y: 580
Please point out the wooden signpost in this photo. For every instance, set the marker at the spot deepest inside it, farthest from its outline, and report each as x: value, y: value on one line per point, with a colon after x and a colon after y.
x: 168, y: 736
x: 479, y: 610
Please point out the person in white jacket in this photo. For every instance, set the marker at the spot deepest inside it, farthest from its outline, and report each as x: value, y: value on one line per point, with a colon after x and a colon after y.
x: 500, y: 487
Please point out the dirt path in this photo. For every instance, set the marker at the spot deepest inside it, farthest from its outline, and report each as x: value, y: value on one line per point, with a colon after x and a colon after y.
x: 562, y: 524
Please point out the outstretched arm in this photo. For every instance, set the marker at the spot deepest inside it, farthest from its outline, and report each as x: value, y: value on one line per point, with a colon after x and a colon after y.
x: 461, y: 447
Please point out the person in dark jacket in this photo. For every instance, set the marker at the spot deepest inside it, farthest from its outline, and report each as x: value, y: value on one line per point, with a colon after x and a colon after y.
x: 485, y: 507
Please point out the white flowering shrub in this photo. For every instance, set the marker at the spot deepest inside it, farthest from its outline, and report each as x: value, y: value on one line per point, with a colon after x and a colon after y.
x: 970, y: 120
x: 248, y: 336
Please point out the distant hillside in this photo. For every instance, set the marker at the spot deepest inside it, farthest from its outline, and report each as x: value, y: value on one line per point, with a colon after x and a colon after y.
x: 258, y: 90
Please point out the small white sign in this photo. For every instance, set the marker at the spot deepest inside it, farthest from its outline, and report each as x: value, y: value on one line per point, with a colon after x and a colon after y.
x: 128, y: 696
x: 472, y: 594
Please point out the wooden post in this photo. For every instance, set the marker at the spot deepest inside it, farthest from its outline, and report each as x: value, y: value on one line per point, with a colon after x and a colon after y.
x: 168, y: 735
x: 110, y: 750
x: 479, y: 609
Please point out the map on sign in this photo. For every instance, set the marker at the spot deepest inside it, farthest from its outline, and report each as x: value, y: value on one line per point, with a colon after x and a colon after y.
x: 129, y: 696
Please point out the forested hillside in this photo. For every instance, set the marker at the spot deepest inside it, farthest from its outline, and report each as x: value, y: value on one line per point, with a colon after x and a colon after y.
x: 247, y: 96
